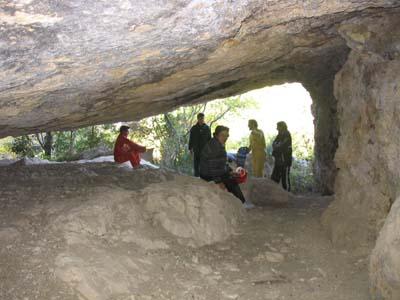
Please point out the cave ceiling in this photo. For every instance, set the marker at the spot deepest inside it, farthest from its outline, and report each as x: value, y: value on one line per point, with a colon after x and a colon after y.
x: 73, y: 63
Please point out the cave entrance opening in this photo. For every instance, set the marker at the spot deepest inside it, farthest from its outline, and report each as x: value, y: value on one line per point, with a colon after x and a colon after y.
x: 168, y: 133
x: 291, y: 103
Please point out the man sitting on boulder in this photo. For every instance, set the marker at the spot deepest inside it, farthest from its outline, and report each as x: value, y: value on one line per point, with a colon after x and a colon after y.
x: 214, y: 167
x: 126, y: 150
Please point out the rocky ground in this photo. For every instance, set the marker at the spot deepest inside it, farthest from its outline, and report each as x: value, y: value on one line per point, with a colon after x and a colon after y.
x: 96, y: 231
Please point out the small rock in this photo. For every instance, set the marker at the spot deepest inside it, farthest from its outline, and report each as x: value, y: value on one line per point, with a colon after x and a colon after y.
x: 273, y: 257
x: 203, y: 269
x: 229, y: 295
x: 322, y: 272
x: 195, y: 259
x: 288, y: 241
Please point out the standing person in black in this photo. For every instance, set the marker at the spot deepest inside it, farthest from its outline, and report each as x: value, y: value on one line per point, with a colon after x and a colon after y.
x: 214, y: 165
x: 282, y: 153
x: 200, y: 134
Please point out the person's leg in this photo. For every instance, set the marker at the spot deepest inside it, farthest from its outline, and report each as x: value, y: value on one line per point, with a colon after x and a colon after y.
x: 259, y: 161
x: 275, y: 176
x: 233, y: 187
x: 287, y: 170
x: 208, y: 179
x: 284, y: 177
x: 196, y: 164
x: 134, y: 158
x: 255, y: 165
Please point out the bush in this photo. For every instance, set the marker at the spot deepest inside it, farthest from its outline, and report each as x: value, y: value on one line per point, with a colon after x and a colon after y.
x: 5, y: 146
x: 302, y: 176
x: 23, y: 146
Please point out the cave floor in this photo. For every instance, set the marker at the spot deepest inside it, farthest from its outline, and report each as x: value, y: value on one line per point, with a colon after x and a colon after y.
x: 284, y: 253
x: 277, y: 253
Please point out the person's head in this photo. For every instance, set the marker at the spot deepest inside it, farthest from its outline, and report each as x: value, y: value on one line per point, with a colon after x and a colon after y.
x: 221, y: 133
x: 281, y: 126
x: 124, y: 130
x: 200, y: 118
x: 252, y: 124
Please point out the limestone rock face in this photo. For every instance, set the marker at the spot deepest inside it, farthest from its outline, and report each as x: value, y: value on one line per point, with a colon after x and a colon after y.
x: 79, y: 62
x: 368, y: 94
x: 326, y: 134
x: 384, y: 270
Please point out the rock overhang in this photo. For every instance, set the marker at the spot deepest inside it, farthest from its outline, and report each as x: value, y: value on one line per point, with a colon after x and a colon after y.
x: 75, y: 63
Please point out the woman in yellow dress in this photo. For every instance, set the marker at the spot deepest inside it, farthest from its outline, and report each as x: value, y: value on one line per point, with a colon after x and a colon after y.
x: 257, y: 148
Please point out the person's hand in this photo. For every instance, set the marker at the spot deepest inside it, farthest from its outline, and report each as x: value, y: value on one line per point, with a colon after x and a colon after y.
x: 234, y: 174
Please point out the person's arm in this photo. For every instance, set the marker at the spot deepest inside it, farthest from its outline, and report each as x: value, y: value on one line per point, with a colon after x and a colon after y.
x: 191, y: 140
x: 263, y: 140
x: 135, y: 147
x: 286, y: 142
x: 251, y: 141
x: 209, y: 133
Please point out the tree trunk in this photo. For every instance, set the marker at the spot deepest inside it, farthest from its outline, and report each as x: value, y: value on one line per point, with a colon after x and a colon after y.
x: 71, y: 143
x: 48, y: 144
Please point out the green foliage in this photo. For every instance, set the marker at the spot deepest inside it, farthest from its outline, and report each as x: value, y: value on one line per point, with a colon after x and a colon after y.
x: 23, y: 146
x: 69, y: 144
x: 5, y: 146
x: 303, y: 147
x: 302, y: 174
x: 233, y: 146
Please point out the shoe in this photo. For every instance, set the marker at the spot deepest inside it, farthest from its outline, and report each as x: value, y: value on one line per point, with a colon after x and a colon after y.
x: 248, y: 205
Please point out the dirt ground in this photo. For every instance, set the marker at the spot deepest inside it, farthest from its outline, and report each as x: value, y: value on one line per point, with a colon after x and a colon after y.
x: 276, y: 252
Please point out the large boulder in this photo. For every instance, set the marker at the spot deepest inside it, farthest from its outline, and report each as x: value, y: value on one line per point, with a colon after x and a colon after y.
x: 384, y: 270
x: 187, y: 211
x: 102, y: 232
x: 264, y: 191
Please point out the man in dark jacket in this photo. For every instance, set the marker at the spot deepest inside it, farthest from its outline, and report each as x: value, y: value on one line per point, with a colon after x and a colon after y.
x: 282, y: 153
x: 200, y: 134
x: 214, y: 167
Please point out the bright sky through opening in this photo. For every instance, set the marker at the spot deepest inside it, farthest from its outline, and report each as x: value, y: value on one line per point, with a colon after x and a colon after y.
x: 289, y: 102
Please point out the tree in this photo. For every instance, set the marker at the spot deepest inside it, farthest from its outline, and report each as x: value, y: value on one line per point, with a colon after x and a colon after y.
x: 23, y: 146
x: 46, y: 142
x: 69, y: 144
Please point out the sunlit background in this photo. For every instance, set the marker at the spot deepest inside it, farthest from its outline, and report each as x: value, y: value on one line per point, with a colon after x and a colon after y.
x: 289, y: 102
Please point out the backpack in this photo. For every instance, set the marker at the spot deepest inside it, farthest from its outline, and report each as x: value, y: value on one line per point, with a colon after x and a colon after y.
x: 241, y: 156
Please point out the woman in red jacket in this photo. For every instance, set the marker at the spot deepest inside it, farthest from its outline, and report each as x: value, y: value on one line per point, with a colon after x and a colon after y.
x: 126, y: 150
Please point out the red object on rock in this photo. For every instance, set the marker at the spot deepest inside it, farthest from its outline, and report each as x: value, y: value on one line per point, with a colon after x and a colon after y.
x: 242, y: 175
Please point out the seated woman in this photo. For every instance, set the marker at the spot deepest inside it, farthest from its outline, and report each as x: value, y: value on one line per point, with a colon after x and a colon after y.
x: 214, y: 167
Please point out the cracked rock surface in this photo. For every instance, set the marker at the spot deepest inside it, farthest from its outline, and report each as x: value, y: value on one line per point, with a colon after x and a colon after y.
x: 66, y: 64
